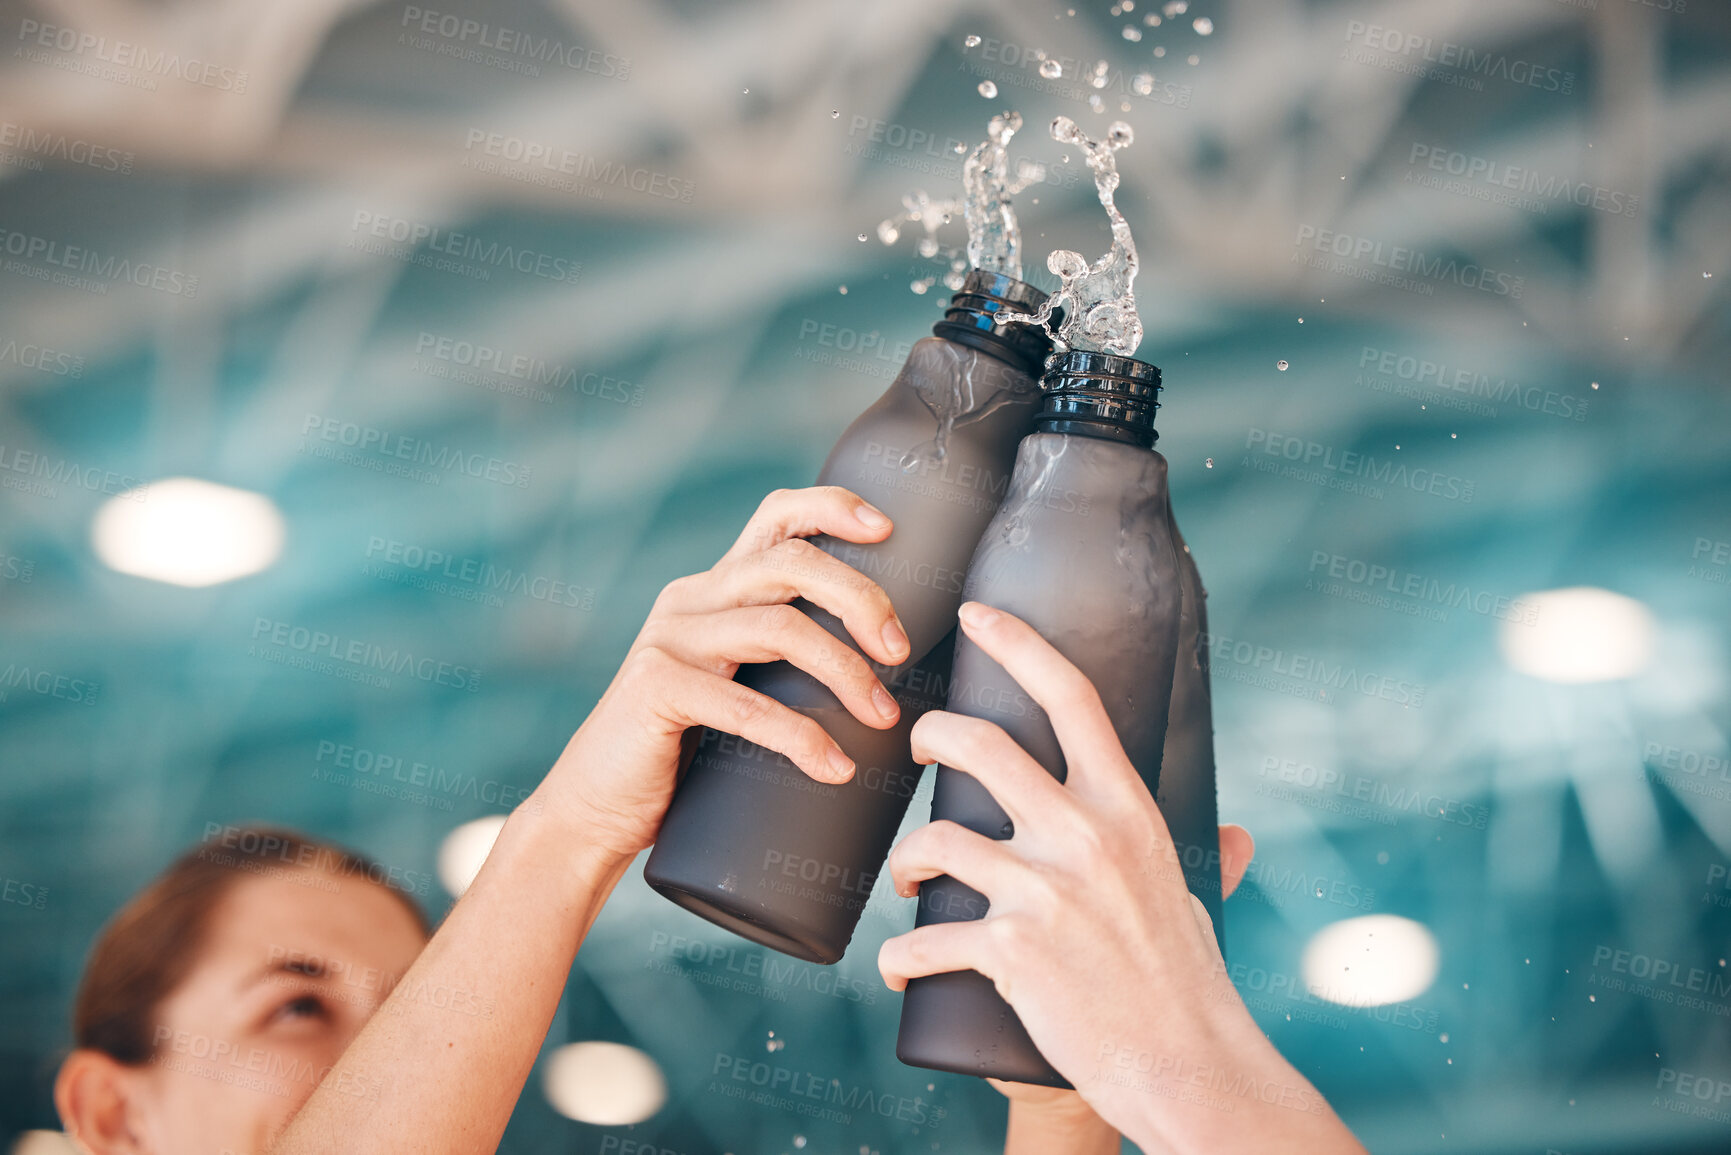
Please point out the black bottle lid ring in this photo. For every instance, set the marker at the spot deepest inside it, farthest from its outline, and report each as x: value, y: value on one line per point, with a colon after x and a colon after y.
x: 972, y: 319
x: 1100, y: 395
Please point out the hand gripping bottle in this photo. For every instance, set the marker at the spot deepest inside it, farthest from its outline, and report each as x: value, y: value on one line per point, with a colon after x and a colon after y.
x: 1082, y: 550
x: 752, y: 844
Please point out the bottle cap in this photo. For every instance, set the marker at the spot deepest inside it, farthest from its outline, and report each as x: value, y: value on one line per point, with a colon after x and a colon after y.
x: 972, y: 319
x: 1100, y: 395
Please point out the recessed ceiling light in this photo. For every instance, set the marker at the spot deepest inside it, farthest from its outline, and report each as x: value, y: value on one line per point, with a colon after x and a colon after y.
x: 1370, y: 961
x: 188, y: 532
x: 607, y: 1084
x: 1578, y: 635
x: 465, y: 849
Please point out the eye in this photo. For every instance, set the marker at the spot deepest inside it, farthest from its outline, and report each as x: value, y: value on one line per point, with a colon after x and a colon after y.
x: 301, y: 1007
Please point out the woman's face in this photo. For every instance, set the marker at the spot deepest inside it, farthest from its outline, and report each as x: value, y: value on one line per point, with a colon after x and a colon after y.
x: 292, y: 967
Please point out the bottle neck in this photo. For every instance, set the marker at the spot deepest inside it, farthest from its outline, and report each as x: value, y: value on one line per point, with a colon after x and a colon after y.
x: 1100, y: 395
x: 972, y: 320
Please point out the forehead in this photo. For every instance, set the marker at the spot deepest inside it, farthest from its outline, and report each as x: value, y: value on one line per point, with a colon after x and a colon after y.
x: 297, y: 912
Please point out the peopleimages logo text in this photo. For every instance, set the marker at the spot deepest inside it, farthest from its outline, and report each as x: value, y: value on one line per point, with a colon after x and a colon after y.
x: 125, y: 54
x: 1400, y: 259
x: 1494, y: 65
x: 1351, y: 463
x: 363, y: 654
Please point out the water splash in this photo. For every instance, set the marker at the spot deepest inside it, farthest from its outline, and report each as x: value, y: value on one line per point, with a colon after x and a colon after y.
x: 994, y: 238
x: 1099, y: 300
x: 931, y: 215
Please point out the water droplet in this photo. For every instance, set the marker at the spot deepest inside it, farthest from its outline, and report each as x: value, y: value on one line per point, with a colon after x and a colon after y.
x: 746, y: 91
x: 1193, y: 59
x: 1152, y: 20
x: 1454, y: 436
x: 1280, y: 365
x: 1595, y: 384
x: 988, y: 89
x: 1443, y: 1038
x: 1176, y: 7
x: 1203, y: 26
x: 844, y: 290
x: 1132, y: 33
x: 889, y: 233
x: 1160, y: 50
x: 1707, y: 276
x: 1592, y: 998
x: 1095, y: 103
x: 835, y: 114
x: 1051, y: 69
x: 918, y: 287
x: 1301, y: 320
x: 971, y: 42
x: 1142, y: 84
x: 799, y: 1140
x: 1209, y: 464
x: 928, y: 246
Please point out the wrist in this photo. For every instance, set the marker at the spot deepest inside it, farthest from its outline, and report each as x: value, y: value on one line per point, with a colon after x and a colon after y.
x: 564, y: 848
x: 1220, y: 1090
x: 1066, y: 1125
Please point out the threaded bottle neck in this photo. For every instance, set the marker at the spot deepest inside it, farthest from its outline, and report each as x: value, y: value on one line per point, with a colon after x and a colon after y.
x: 1100, y: 395
x: 972, y: 320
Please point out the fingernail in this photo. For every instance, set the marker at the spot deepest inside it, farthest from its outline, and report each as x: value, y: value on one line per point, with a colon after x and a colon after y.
x: 881, y: 699
x: 870, y: 516
x: 976, y: 615
x: 840, y: 764
x: 895, y: 638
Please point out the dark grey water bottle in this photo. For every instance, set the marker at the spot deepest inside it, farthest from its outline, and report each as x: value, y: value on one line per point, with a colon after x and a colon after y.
x: 1186, y: 791
x: 1082, y: 550
x: 752, y: 844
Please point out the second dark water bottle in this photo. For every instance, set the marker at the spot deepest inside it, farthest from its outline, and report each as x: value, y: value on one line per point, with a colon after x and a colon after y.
x: 750, y: 843
x: 1083, y: 550
x: 1186, y: 793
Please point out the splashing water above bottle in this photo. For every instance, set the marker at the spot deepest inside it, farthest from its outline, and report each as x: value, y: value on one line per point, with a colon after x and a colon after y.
x: 1099, y: 300
x: 994, y: 237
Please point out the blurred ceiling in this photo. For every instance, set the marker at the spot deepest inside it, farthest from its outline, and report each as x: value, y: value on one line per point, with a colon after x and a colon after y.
x: 705, y: 351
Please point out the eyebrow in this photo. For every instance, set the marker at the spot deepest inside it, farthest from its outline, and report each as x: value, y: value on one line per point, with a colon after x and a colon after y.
x: 288, y: 966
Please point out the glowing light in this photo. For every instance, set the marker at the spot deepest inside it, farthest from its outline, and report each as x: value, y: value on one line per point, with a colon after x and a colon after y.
x: 188, y: 532
x: 608, y: 1084
x: 1370, y: 961
x: 1578, y: 635
x: 465, y: 849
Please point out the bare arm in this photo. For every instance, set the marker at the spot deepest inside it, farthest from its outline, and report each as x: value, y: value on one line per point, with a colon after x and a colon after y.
x: 449, y: 1051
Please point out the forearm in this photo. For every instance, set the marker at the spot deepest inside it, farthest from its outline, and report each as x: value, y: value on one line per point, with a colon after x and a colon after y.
x: 1227, y: 1091
x: 440, y: 1066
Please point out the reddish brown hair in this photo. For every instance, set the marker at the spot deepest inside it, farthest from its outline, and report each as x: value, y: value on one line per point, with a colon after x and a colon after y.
x: 147, y: 948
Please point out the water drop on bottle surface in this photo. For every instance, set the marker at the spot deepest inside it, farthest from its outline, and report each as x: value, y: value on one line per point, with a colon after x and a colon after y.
x: 1280, y: 365
x: 988, y: 89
